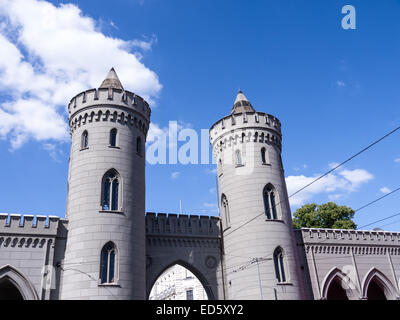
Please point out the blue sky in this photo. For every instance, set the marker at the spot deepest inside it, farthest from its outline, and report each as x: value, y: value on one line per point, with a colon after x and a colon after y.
x: 334, y: 90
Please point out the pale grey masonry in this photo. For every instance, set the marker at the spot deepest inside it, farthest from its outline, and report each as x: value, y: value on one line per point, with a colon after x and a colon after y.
x: 247, y: 132
x: 30, y: 248
x: 191, y: 241
x: 97, y: 112
x: 355, y: 257
x: 48, y: 258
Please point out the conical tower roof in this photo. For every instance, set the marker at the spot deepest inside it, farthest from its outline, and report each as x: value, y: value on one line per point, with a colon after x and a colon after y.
x: 112, y: 81
x: 241, y: 104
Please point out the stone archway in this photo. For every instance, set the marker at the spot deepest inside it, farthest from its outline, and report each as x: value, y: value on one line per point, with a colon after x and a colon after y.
x: 376, y: 286
x: 206, y: 286
x: 339, y: 286
x: 15, y: 286
x: 152, y: 278
x: 9, y: 290
x: 336, y: 291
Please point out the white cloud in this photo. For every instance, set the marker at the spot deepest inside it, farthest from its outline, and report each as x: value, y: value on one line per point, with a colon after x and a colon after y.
x: 385, y: 190
x: 53, y: 151
x: 397, y: 160
x: 333, y: 165
x: 51, y: 53
x: 175, y: 175
x: 335, y: 185
x: 143, y: 44
x: 334, y: 197
x: 356, y: 177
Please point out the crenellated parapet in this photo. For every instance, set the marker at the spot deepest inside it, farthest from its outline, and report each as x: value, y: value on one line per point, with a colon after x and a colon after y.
x: 315, y: 235
x: 109, y: 104
x: 182, y: 225
x: 238, y: 128
x: 30, y: 225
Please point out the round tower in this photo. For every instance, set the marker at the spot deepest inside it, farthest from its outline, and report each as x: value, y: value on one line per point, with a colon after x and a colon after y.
x: 105, y: 254
x: 260, y: 257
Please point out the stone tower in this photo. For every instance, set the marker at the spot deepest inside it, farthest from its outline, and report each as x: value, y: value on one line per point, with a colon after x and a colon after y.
x: 260, y: 256
x: 105, y: 254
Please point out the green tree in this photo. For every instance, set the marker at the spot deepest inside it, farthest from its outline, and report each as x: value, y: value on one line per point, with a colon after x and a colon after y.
x: 328, y: 215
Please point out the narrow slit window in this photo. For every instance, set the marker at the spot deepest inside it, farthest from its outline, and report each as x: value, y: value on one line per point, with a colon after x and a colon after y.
x: 226, y: 213
x: 113, y: 137
x: 263, y: 156
x: 238, y: 158
x: 139, y: 146
x: 85, y: 140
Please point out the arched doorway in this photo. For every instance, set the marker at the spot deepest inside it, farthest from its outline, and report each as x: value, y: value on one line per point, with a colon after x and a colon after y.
x: 376, y: 286
x: 8, y: 290
x: 375, y: 292
x: 339, y: 285
x: 15, y: 286
x: 336, y: 291
x: 178, y: 283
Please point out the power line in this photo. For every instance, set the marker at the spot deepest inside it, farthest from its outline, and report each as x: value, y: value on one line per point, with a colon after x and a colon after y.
x: 372, y: 202
x: 324, y: 175
x: 388, y: 224
x: 395, y: 215
x: 347, y: 160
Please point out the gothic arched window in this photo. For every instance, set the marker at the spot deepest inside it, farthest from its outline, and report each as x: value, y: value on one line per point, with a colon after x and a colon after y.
x: 225, y: 211
x: 113, y: 137
x: 85, y: 140
x: 279, y: 265
x: 110, y: 194
x: 270, y: 205
x: 108, y: 265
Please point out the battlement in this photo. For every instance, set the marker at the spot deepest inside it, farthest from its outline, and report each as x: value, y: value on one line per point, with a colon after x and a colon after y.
x: 253, y: 127
x: 126, y: 100
x: 174, y: 224
x: 249, y: 120
x: 18, y: 224
x: 346, y: 236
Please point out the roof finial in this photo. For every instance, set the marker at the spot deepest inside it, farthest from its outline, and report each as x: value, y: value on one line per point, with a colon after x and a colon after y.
x: 112, y: 81
x: 241, y: 104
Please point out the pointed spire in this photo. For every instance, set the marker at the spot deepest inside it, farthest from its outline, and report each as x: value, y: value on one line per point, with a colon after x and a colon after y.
x: 112, y: 81
x: 241, y: 104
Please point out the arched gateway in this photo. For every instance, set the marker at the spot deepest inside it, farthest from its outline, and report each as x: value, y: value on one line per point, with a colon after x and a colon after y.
x: 15, y: 286
x: 190, y: 241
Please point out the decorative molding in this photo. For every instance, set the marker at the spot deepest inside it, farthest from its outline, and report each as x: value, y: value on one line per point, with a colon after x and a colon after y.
x: 346, y: 249
x: 107, y: 113
x: 182, y: 242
